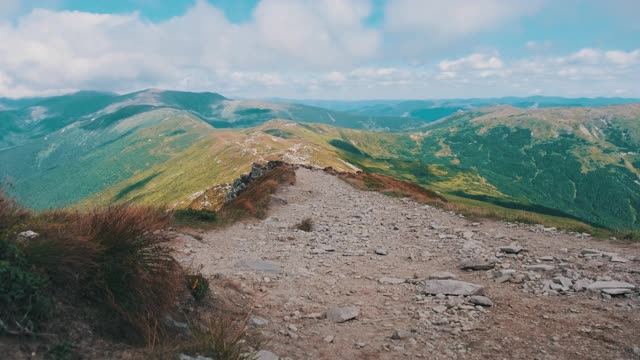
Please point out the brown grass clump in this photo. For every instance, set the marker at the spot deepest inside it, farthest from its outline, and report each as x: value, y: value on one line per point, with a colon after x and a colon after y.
x: 219, y: 337
x: 254, y: 200
x: 118, y: 257
x: 393, y: 187
x: 11, y: 214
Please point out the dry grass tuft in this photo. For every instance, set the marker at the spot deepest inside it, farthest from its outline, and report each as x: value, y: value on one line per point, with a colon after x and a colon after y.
x: 393, y: 187
x: 305, y: 225
x: 118, y: 257
x: 254, y: 200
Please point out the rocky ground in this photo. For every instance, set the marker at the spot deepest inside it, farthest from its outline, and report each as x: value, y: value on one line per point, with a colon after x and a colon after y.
x: 387, y: 278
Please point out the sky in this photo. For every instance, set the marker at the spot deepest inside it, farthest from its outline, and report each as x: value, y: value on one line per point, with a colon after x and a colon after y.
x: 322, y: 49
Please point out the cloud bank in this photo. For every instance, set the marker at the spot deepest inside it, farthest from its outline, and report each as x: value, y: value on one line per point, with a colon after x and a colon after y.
x: 291, y: 48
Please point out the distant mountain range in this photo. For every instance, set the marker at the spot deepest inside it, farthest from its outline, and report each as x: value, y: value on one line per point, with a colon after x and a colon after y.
x: 431, y: 110
x: 172, y: 148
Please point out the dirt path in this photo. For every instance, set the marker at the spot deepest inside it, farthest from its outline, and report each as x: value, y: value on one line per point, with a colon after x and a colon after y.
x: 295, y: 277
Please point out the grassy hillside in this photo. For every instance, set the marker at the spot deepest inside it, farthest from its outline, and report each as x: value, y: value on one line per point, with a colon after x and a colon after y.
x: 174, y: 149
x: 579, y: 163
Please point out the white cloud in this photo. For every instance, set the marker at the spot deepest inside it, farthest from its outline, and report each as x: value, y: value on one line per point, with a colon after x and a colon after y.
x: 623, y: 58
x: 293, y: 48
x: 472, y: 62
x: 47, y: 51
x: 454, y: 18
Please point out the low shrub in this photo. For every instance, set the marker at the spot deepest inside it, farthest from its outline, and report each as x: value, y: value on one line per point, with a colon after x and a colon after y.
x: 11, y: 215
x: 118, y: 258
x: 136, y: 277
x: 305, y: 225
x: 194, y: 216
x: 24, y: 300
x: 62, y: 350
x: 198, y: 286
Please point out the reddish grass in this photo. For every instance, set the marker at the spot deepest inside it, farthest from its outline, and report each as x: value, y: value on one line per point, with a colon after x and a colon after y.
x: 118, y: 257
x: 391, y: 186
x: 255, y: 199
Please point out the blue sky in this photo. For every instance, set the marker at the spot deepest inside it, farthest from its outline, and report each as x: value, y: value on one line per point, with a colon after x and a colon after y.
x: 336, y: 49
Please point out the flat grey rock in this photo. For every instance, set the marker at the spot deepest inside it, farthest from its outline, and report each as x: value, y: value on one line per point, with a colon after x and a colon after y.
x: 199, y: 357
x: 618, y: 259
x: 260, y: 266
x: 540, y: 267
x: 342, y: 314
x: 266, y: 355
x: 402, y: 334
x: 450, y: 287
x: 258, y: 321
x: 480, y: 300
x: 601, y: 285
x: 441, y: 275
x: 511, y: 249
x: 477, y: 264
x: 391, y: 281
x: 381, y: 251
x: 616, y: 291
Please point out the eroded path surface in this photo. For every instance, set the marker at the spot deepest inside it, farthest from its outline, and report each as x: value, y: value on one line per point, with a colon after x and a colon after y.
x: 543, y: 312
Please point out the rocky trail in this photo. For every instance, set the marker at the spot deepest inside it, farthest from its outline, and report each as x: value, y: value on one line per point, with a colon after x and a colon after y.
x: 387, y: 278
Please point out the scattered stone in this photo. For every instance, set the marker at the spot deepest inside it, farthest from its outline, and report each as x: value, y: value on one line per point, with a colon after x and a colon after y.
x: 618, y: 259
x: 402, y: 334
x: 439, y: 309
x: 328, y: 339
x: 441, y: 275
x: 477, y: 264
x: 450, y: 287
x: 360, y: 345
x: 342, y: 314
x: 581, y: 284
x: 258, y: 321
x: 27, y: 235
x: 601, y: 285
x: 480, y: 300
x: 391, y: 281
x: 381, y: 251
x: 504, y: 273
x: 540, y: 267
x: 468, y: 235
x: 616, y: 291
x: 265, y: 355
x: 199, y: 357
x: 564, y: 281
x: 511, y: 249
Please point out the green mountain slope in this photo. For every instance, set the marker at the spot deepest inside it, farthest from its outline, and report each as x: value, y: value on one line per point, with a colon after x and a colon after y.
x: 164, y: 147
x: 576, y: 162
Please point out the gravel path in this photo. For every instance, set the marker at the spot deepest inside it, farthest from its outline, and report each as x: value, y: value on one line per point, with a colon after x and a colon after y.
x: 368, y: 256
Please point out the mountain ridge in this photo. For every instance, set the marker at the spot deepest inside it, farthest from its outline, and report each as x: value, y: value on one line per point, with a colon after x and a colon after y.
x: 162, y: 147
